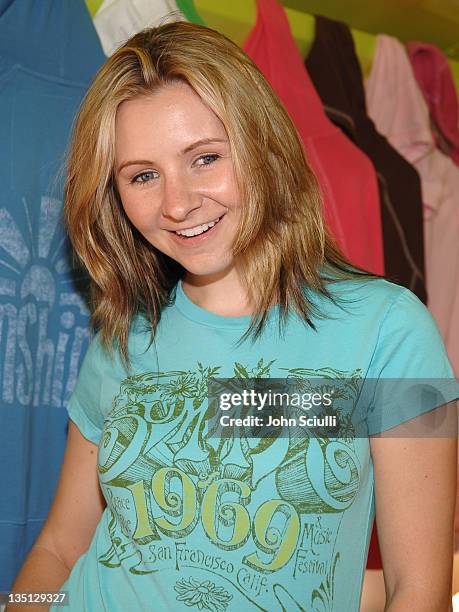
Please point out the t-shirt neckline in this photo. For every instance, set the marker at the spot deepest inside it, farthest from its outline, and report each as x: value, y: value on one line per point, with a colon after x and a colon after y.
x: 200, y: 315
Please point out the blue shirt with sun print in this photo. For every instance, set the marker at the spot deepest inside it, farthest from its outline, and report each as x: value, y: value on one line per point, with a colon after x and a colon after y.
x: 195, y: 522
x: 49, y: 53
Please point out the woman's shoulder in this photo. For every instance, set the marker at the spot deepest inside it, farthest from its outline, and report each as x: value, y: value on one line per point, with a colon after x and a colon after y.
x: 379, y: 313
x: 103, y: 352
x: 366, y: 287
x: 370, y: 297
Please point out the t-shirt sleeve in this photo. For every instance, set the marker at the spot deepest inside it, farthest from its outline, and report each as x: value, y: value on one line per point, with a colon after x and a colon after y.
x: 86, y: 405
x: 410, y: 373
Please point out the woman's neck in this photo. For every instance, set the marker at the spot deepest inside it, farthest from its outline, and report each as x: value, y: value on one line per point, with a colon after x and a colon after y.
x: 223, y: 295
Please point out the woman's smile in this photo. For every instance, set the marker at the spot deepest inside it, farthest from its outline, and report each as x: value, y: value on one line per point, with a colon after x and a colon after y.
x: 197, y: 234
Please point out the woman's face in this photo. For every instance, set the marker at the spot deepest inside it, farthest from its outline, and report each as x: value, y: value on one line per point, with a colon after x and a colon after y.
x: 174, y: 173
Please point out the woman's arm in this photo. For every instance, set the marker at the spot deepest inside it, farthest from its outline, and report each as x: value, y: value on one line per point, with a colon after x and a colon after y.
x: 415, y: 492
x: 72, y: 520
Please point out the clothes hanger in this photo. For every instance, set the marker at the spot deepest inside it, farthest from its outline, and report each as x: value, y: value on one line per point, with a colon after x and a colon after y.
x: 235, y: 19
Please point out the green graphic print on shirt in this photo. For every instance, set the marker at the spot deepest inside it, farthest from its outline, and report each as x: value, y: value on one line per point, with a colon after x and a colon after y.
x: 236, y: 518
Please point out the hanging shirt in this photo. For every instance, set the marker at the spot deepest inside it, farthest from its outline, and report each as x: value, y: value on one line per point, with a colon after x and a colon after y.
x: 346, y: 176
x: 201, y: 522
x: 117, y: 20
x: 397, y: 107
x: 189, y: 11
x: 334, y: 68
x: 48, y: 54
x: 434, y: 77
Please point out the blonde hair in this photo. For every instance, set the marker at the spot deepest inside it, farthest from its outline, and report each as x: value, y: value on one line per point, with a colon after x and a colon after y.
x: 282, y: 244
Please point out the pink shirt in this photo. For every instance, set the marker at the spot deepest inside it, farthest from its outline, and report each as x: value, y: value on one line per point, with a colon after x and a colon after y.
x: 434, y: 77
x: 399, y: 111
x: 346, y: 176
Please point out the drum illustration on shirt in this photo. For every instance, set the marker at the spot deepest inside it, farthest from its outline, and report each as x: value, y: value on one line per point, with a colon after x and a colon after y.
x: 234, y: 518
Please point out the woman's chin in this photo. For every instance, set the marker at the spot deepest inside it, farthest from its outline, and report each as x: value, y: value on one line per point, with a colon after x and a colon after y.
x: 207, y: 273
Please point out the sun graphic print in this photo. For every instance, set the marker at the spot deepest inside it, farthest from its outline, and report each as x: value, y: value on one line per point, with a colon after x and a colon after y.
x: 45, y: 320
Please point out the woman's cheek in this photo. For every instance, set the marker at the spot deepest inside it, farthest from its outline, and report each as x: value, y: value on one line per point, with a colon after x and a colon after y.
x: 137, y: 210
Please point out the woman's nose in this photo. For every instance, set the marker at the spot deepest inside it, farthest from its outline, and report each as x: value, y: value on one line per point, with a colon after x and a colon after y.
x: 178, y: 198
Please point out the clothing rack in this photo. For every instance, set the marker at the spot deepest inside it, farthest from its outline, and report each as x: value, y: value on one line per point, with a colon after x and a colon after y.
x: 235, y: 19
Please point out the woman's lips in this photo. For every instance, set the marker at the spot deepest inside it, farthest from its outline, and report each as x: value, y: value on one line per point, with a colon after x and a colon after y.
x: 193, y: 240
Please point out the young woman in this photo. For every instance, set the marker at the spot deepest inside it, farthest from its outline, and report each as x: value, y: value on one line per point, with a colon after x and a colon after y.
x: 191, y: 204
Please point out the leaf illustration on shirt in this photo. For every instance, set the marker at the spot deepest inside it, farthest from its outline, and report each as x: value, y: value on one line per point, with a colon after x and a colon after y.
x: 121, y: 547
x: 287, y: 602
x: 322, y: 598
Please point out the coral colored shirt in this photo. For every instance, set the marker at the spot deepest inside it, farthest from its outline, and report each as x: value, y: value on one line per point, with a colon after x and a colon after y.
x: 346, y: 176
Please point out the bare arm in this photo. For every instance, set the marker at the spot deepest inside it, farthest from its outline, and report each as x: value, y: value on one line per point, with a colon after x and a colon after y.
x: 75, y: 512
x: 415, y: 491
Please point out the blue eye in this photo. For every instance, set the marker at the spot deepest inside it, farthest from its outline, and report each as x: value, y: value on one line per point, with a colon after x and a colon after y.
x: 212, y: 156
x: 148, y: 176
x: 144, y: 177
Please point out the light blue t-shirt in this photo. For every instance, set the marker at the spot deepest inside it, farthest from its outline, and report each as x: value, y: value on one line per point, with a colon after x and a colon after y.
x: 200, y: 523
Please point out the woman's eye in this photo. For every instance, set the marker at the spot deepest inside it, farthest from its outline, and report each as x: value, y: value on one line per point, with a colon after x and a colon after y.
x: 209, y: 159
x: 144, y: 177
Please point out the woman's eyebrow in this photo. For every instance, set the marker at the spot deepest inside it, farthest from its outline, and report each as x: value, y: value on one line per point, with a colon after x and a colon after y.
x: 203, y: 141
x: 190, y: 147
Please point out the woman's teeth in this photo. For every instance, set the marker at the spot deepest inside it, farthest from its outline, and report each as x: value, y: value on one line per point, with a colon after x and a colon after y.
x: 199, y: 229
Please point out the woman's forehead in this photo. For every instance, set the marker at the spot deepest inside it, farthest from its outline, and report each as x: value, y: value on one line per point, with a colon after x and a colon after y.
x: 174, y: 112
x: 169, y: 97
